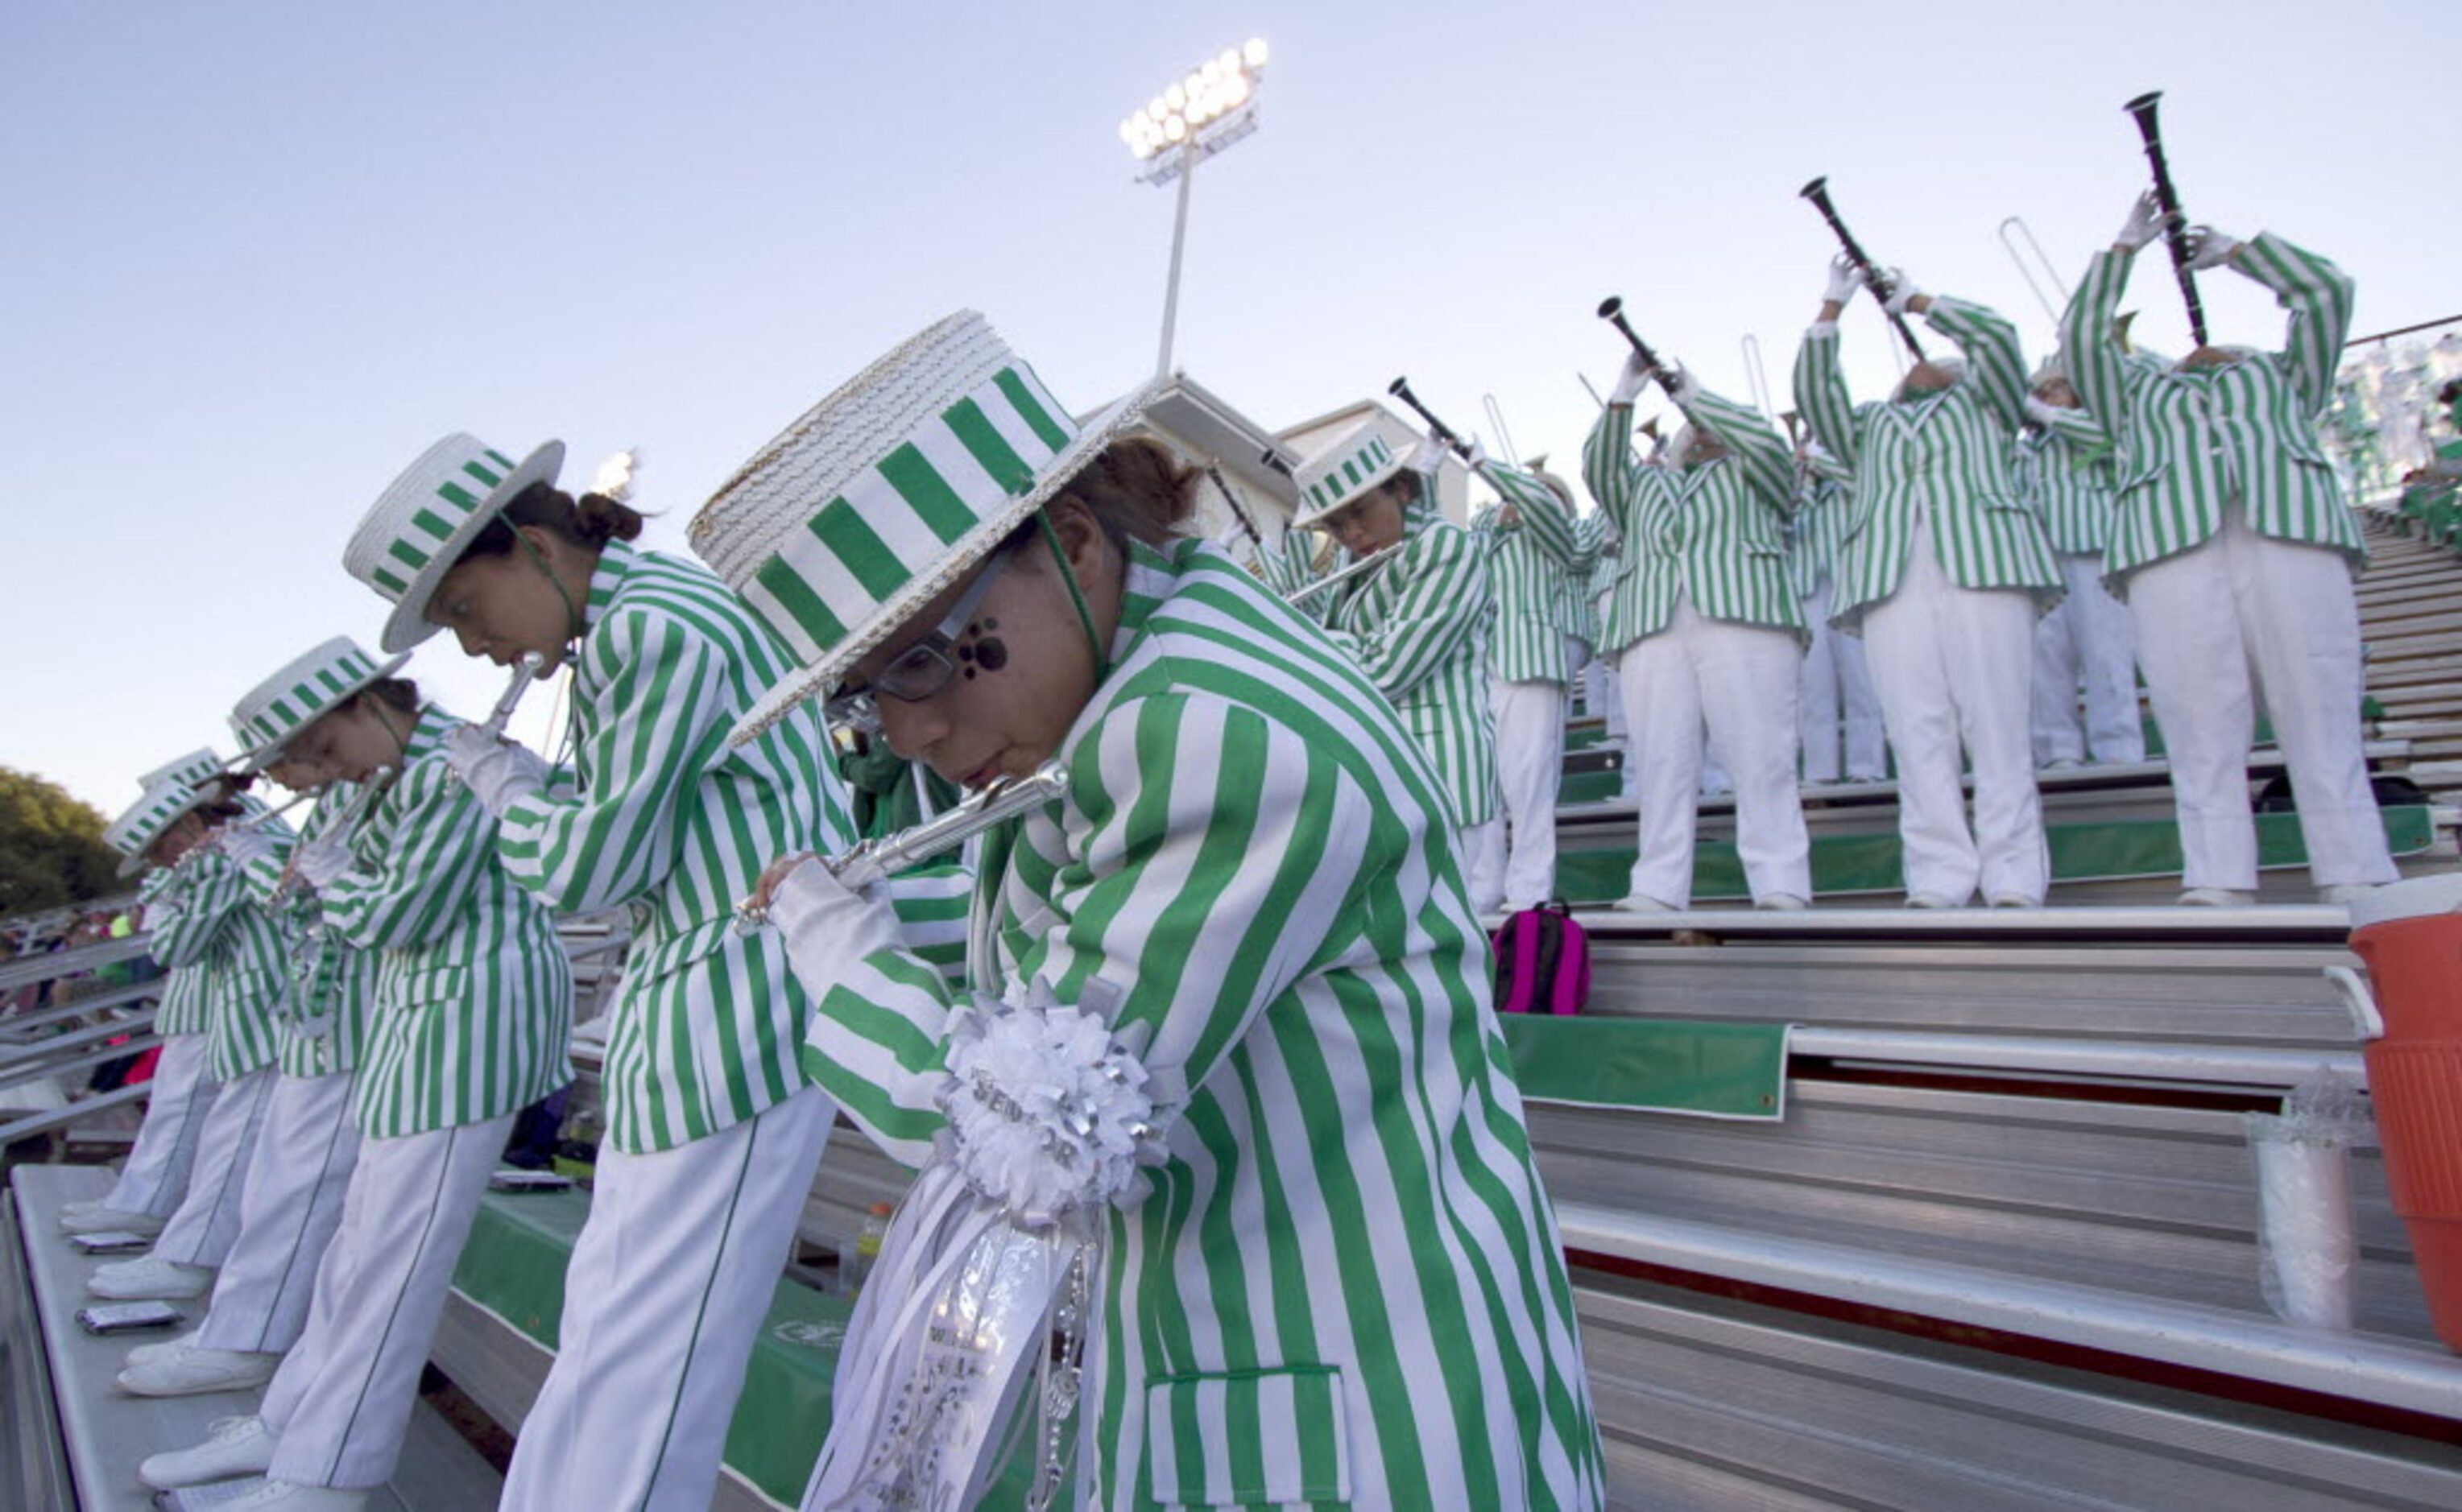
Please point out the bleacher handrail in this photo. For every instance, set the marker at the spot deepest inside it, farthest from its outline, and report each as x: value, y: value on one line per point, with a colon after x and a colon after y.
x: 28, y: 971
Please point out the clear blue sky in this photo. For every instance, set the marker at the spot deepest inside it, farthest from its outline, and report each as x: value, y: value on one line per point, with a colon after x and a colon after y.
x: 256, y: 256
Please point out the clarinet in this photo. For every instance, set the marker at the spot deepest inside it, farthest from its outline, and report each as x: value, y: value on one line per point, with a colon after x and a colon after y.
x: 1878, y: 281
x: 2175, y: 232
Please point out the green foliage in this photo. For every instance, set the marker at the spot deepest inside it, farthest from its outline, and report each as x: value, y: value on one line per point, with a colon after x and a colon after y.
x: 51, y: 847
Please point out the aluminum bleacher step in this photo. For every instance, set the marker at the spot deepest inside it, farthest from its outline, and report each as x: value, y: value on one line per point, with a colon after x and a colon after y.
x: 105, y: 1433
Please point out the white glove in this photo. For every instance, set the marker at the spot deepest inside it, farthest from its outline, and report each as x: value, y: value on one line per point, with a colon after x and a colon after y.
x: 497, y: 773
x: 322, y: 859
x: 1426, y: 457
x: 1902, y: 290
x: 1629, y: 382
x: 2144, y: 224
x: 827, y: 928
x: 2041, y: 414
x: 1478, y: 457
x: 245, y: 845
x: 2208, y: 247
x: 1844, y: 281
x: 1683, y: 388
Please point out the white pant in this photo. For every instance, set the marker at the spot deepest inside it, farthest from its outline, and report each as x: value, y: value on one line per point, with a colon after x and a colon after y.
x: 207, y: 1221
x: 1529, y: 768
x: 2206, y: 619
x: 341, y: 1401
x: 1835, y: 704
x: 664, y: 1297
x: 1955, y: 664
x: 2086, y: 640
x: 1480, y: 849
x: 306, y: 1146
x: 1739, y: 680
x: 156, y: 1176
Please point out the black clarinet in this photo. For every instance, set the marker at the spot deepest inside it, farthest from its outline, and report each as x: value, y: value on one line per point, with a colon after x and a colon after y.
x: 2175, y: 229
x: 1612, y: 311
x: 1878, y: 281
x: 1400, y: 389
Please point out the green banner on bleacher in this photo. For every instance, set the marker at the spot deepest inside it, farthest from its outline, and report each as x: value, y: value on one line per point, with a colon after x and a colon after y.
x: 1868, y: 863
x: 1650, y: 1064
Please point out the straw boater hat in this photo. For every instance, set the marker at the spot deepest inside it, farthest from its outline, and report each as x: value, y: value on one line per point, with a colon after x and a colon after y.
x: 269, y: 714
x: 165, y: 799
x: 887, y: 491
x: 1357, y: 462
x: 195, y: 769
x: 419, y: 526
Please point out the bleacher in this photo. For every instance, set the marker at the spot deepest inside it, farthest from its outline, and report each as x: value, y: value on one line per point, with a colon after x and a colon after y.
x: 2000, y: 1251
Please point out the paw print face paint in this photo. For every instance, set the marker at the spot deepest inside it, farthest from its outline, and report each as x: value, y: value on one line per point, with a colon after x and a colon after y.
x: 982, y: 650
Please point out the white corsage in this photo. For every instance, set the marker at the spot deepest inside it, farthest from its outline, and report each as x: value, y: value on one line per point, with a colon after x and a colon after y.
x: 986, y: 1278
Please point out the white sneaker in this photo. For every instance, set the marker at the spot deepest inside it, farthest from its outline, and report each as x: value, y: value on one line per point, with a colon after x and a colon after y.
x: 289, y: 1498
x: 2343, y: 894
x: 139, y: 1280
x: 161, y: 1348
x: 1643, y: 902
x: 2216, y: 898
x: 236, y: 1446
x: 2012, y: 900
x: 98, y: 1219
x: 194, y: 1371
x: 1781, y: 902
x: 1930, y: 900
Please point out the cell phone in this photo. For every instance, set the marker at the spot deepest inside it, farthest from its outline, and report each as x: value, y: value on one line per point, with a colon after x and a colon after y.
x: 117, y: 1241
x: 119, y: 1317
x: 510, y: 1180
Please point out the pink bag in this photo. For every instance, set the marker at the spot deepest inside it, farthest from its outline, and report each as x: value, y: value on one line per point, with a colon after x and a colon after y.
x: 1543, y: 962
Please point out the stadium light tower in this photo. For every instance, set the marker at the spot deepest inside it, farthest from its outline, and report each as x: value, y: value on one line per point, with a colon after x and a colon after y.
x: 1190, y: 120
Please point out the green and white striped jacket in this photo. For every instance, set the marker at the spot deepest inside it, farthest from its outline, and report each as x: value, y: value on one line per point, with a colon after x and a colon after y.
x: 1344, y: 1286
x: 1418, y: 625
x: 206, y: 919
x: 333, y: 985
x: 1577, y: 610
x: 1529, y: 566
x: 474, y: 995
x: 183, y: 1008
x: 1943, y: 458
x: 2065, y: 471
x: 1714, y: 534
x: 673, y: 819
x: 1817, y: 533
x: 2192, y: 443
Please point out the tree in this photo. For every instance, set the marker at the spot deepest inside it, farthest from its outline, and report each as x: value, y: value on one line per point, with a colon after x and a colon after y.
x: 51, y: 846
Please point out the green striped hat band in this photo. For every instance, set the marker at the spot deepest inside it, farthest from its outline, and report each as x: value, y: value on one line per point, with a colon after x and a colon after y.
x: 1343, y: 473
x: 452, y: 499
x: 902, y: 515
x: 285, y: 703
x: 196, y: 766
x: 141, y: 827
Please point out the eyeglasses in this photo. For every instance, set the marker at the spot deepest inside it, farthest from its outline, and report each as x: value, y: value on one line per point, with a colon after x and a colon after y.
x: 920, y: 670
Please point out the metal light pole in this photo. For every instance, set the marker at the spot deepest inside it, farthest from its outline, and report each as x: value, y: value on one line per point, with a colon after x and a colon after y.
x: 1190, y: 120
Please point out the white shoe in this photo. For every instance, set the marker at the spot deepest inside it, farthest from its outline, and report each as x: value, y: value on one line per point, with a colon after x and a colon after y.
x: 237, y: 1446
x: 289, y: 1498
x: 2343, y: 894
x: 2216, y: 898
x: 140, y: 1280
x: 1930, y: 900
x: 100, y: 1219
x: 2063, y: 764
x: 194, y: 1371
x: 1643, y: 902
x: 2012, y: 900
x: 161, y: 1348
x: 1781, y: 902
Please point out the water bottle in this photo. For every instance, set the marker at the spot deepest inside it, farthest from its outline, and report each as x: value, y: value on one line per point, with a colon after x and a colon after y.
x: 856, y: 1258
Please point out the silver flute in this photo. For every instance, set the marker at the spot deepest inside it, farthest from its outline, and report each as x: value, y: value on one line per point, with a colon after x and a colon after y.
x: 347, y: 826
x: 875, y: 859
x: 1370, y: 562
x: 524, y: 673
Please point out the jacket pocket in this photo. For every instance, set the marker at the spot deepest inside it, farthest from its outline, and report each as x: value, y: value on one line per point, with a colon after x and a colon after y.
x: 1247, y: 1438
x: 441, y: 984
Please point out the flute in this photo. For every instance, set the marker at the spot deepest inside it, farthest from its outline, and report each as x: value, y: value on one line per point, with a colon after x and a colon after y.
x: 347, y: 826
x: 873, y: 859
x: 1365, y: 564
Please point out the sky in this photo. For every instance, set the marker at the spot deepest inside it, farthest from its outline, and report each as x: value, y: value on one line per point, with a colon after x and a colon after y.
x: 254, y: 257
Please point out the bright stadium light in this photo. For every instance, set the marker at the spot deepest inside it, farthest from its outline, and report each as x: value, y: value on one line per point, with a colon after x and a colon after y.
x: 1193, y: 117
